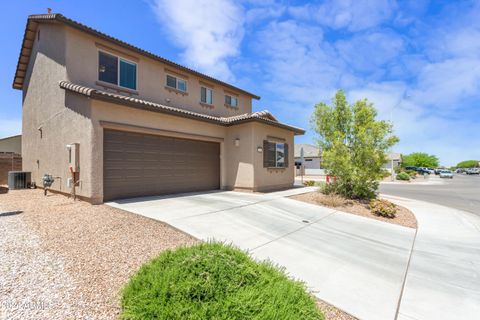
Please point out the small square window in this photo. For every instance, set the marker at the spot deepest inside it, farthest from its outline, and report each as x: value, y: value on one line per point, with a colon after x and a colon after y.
x: 231, y: 101
x: 117, y: 71
x: 182, y: 85
x: 206, y: 95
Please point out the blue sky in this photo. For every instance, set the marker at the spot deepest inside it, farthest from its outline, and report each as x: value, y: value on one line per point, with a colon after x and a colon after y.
x: 418, y: 61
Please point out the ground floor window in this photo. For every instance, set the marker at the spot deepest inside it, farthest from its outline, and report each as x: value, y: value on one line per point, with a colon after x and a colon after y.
x: 275, y: 154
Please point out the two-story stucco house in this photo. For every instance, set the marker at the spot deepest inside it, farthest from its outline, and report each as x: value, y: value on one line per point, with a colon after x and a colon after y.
x: 129, y: 123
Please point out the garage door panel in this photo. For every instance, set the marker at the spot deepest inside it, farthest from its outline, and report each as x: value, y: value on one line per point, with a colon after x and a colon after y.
x: 139, y: 164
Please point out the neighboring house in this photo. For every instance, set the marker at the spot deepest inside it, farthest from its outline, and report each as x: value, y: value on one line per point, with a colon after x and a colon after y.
x: 130, y: 123
x: 311, y: 155
x: 394, y: 159
x: 11, y: 144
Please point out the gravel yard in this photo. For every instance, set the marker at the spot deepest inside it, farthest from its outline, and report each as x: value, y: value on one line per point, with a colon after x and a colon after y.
x: 62, y: 259
x: 65, y: 259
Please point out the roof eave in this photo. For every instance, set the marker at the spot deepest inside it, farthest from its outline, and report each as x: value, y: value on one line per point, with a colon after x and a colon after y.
x: 297, y: 131
x: 92, y: 93
x: 61, y: 18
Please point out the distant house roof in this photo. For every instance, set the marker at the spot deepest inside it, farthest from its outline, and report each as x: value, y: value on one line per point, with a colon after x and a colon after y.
x: 12, y: 144
x: 260, y: 116
x: 11, y: 137
x: 394, y: 156
x: 309, y: 150
x: 29, y: 36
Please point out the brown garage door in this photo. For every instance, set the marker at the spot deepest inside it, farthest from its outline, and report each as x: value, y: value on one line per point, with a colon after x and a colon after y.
x: 137, y: 164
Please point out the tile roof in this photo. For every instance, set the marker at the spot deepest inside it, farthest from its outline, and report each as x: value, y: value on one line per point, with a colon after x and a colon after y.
x: 260, y: 116
x: 29, y: 36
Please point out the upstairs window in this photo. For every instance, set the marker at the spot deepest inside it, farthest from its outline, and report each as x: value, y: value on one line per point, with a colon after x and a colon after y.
x: 231, y: 101
x: 275, y: 155
x: 206, y: 95
x: 176, y: 83
x: 117, y: 71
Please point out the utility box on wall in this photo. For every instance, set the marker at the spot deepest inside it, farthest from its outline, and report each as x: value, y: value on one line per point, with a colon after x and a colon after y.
x: 74, y: 157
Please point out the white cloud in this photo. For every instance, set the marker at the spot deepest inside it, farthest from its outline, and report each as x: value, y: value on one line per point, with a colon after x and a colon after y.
x: 371, y: 50
x: 299, y: 65
x: 209, y: 32
x: 446, y: 84
x: 353, y: 15
x: 10, y: 127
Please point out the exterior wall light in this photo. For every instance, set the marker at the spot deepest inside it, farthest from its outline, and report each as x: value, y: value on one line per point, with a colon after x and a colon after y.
x: 259, y: 149
x: 237, y: 142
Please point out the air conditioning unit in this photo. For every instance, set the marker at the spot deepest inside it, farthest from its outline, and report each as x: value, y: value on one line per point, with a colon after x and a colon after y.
x: 19, y: 180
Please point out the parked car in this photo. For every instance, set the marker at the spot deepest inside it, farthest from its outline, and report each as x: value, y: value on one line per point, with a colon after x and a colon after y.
x: 430, y: 170
x: 423, y: 171
x: 446, y: 174
x: 473, y: 171
x: 460, y: 170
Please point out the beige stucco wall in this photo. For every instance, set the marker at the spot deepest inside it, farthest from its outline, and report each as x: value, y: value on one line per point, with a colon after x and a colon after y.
x: 82, y: 67
x: 49, y: 121
x: 240, y: 166
x: 11, y: 144
x: 266, y: 178
x: 53, y: 118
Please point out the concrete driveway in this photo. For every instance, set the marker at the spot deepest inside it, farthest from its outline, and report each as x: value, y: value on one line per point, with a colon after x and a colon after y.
x: 355, y: 263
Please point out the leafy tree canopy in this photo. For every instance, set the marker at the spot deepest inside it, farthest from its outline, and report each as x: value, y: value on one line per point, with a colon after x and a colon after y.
x: 420, y: 159
x: 354, y: 144
x: 468, y: 164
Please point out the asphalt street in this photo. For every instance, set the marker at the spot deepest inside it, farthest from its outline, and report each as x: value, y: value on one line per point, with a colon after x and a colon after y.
x: 462, y: 192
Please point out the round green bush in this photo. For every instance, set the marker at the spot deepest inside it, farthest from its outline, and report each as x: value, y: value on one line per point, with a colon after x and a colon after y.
x: 214, y: 281
x: 403, y: 176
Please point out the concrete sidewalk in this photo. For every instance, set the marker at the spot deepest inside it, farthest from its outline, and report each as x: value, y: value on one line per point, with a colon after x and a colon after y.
x: 355, y: 263
x: 443, y: 280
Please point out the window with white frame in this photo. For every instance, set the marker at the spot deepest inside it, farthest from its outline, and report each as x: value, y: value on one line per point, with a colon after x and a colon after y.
x: 275, y: 154
x: 176, y: 83
x: 117, y: 71
x: 231, y: 101
x: 206, y: 95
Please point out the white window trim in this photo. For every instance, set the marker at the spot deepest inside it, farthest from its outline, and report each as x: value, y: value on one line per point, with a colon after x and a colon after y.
x: 118, y: 68
x: 176, y: 82
x: 206, y: 95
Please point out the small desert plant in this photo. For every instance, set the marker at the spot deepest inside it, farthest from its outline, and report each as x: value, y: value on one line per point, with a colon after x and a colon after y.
x: 309, y: 183
x: 403, y: 176
x: 333, y: 200
x: 384, y: 208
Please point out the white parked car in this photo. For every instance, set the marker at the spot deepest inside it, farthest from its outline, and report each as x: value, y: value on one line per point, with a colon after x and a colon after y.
x: 473, y: 171
x: 446, y: 174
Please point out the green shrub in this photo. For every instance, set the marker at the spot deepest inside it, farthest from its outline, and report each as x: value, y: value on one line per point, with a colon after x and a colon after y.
x: 403, y: 176
x: 328, y: 188
x: 468, y: 164
x: 309, y: 183
x: 386, y: 174
x: 384, y: 208
x: 412, y: 174
x: 214, y: 281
